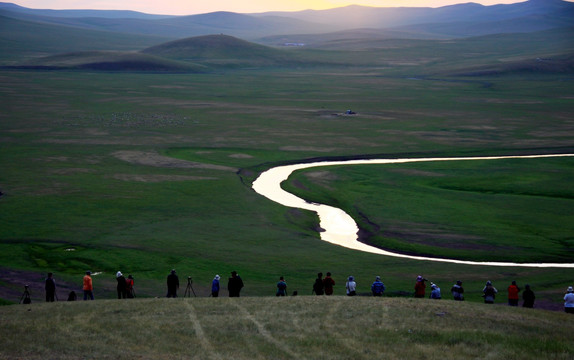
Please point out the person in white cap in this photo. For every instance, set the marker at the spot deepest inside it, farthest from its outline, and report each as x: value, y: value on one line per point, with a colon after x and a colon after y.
x: 569, y: 300
x: 435, y: 293
x: 122, y: 286
x: 215, y: 286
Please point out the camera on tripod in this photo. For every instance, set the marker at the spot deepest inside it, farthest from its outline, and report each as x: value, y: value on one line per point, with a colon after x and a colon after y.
x: 189, y: 288
x: 25, y: 298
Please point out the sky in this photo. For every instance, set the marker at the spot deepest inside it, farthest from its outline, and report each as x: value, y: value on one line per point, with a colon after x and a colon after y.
x: 190, y: 7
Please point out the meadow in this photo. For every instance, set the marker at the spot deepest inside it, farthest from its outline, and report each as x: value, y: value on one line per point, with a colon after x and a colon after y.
x: 147, y: 172
x: 282, y: 328
x: 150, y: 170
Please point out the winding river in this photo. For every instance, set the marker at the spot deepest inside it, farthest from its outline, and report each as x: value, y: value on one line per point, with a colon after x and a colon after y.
x: 341, y: 229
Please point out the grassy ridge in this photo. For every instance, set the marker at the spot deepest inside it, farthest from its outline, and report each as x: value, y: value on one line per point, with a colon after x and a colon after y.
x: 283, y: 328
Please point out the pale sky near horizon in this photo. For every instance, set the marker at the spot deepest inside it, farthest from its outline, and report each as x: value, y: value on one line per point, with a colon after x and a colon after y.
x: 190, y: 7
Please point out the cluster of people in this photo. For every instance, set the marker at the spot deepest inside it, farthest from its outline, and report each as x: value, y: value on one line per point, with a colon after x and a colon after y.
x: 528, y: 297
x: 489, y: 292
x: 321, y: 286
x: 234, y: 285
x: 324, y: 286
x: 125, y: 286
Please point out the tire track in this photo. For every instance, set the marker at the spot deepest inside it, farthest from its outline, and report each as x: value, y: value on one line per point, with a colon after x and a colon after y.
x: 203, y: 340
x: 267, y: 336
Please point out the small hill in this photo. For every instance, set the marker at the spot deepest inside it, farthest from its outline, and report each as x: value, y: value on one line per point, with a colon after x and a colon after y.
x: 218, y: 50
x: 111, y: 61
x: 301, y: 327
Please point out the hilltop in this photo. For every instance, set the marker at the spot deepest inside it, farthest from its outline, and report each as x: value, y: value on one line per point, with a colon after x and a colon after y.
x: 282, y: 328
x: 218, y: 50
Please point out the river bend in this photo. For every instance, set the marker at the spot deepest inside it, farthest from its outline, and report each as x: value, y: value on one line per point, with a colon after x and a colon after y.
x: 341, y: 229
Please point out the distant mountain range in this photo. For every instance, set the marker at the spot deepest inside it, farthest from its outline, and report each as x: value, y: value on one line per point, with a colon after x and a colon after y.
x: 454, y: 21
x: 535, y: 36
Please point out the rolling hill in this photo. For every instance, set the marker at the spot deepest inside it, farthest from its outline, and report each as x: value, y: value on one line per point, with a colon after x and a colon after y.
x: 218, y: 50
x: 21, y: 40
x: 111, y: 61
x: 195, y: 54
x: 110, y: 14
x: 460, y: 20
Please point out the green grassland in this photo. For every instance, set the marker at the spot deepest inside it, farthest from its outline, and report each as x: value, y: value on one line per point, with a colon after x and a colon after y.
x: 282, y: 328
x: 147, y: 168
x: 86, y: 165
x: 143, y: 172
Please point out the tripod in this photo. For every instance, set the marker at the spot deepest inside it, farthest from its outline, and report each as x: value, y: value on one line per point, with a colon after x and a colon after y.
x: 25, y: 298
x: 189, y: 288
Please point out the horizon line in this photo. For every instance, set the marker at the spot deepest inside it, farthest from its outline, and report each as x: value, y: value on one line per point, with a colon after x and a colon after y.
x: 150, y: 12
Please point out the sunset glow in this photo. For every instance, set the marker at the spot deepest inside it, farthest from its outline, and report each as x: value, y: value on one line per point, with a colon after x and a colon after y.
x: 190, y: 7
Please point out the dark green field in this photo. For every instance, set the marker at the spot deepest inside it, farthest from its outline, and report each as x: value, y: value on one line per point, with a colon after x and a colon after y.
x: 136, y: 154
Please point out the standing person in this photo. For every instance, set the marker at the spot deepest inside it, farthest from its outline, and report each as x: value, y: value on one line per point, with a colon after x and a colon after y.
x: 420, y: 287
x: 215, y: 286
x: 172, y: 284
x: 50, y: 288
x: 318, y: 285
x: 528, y: 297
x: 378, y: 288
x: 435, y: 292
x: 457, y: 291
x: 328, y: 284
x: 234, y: 285
x: 489, y: 292
x: 569, y: 301
x: 88, y: 286
x: 130, y: 287
x: 513, y: 291
x: 122, y: 285
x: 281, y: 287
x: 351, y: 286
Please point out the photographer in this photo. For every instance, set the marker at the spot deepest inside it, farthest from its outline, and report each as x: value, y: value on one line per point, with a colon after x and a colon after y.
x: 420, y: 287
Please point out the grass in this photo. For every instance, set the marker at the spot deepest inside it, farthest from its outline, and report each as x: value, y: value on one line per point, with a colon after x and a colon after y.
x: 283, y: 328
x: 482, y: 211
x: 66, y: 186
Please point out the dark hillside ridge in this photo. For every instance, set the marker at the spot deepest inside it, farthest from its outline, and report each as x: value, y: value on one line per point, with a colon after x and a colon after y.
x: 469, y: 19
x: 109, y: 14
x: 526, y: 24
x: 382, y: 17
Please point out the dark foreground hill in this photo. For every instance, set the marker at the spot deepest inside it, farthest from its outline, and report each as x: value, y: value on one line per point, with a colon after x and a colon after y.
x: 282, y: 328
